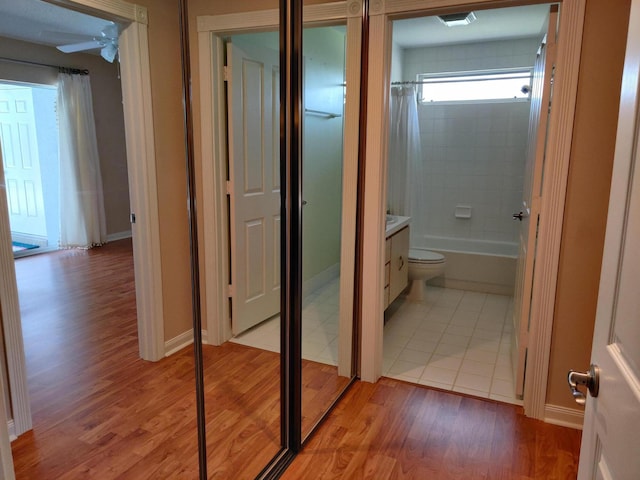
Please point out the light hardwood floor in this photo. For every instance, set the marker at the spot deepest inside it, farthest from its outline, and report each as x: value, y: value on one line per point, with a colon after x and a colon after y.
x: 397, y: 430
x: 101, y: 412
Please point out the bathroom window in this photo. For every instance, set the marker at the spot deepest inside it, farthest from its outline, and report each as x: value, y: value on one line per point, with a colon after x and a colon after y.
x: 493, y: 85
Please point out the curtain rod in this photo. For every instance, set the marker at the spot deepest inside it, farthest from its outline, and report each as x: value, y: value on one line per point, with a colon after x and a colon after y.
x: 454, y: 80
x: 77, y: 71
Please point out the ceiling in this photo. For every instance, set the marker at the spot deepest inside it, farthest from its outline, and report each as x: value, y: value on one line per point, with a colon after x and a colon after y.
x: 40, y: 22
x: 496, y: 24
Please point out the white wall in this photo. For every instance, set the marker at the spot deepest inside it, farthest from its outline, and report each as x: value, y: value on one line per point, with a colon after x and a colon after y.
x: 473, y: 154
x: 397, y: 54
x: 324, y: 70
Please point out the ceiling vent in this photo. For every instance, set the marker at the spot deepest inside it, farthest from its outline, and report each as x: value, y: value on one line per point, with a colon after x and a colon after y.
x: 457, y: 19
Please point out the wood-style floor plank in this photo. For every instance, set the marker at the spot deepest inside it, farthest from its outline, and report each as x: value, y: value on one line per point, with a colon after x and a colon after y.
x: 101, y: 412
x: 395, y: 430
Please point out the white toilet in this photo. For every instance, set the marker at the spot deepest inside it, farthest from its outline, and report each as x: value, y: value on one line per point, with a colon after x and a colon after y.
x: 423, y: 265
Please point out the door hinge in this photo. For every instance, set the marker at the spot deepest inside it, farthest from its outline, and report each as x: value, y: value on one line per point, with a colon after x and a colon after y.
x: 230, y: 291
x: 132, y: 217
x: 229, y: 187
x: 225, y: 73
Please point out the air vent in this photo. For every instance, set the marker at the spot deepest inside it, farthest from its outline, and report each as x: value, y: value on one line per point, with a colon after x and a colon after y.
x: 457, y: 19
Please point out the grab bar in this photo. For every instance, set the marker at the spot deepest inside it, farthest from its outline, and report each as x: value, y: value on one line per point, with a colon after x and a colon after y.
x: 322, y: 113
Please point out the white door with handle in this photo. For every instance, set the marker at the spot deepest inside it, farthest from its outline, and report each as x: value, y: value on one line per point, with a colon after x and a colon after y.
x: 253, y: 110
x: 531, y: 197
x: 611, y: 436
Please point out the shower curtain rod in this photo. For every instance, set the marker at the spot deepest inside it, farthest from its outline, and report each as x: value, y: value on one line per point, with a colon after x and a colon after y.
x: 453, y: 80
x: 47, y: 65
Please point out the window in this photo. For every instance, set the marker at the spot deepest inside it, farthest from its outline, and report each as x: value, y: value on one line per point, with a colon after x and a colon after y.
x: 475, y: 86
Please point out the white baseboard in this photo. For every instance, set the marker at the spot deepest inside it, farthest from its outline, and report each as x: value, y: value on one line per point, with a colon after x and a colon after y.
x: 178, y: 343
x: 112, y: 237
x: 11, y: 428
x: 32, y: 239
x: 563, y: 416
x: 321, y: 279
x: 184, y: 339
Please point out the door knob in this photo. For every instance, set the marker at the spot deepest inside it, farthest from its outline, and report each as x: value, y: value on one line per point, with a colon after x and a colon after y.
x: 518, y: 216
x: 590, y: 379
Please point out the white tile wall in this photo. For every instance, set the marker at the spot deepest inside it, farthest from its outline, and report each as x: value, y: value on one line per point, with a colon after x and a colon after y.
x: 473, y: 154
x: 476, y: 56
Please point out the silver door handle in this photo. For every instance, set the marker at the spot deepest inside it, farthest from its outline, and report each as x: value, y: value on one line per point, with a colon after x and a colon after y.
x: 590, y: 379
x: 518, y: 216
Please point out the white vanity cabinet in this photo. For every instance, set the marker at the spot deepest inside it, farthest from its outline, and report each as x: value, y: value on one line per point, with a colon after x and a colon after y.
x: 396, y: 268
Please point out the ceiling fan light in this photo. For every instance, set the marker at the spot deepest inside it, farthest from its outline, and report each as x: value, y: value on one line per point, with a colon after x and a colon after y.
x: 457, y: 19
x: 109, y: 52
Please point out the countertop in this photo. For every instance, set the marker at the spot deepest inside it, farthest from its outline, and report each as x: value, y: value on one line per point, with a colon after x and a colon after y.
x: 395, y: 223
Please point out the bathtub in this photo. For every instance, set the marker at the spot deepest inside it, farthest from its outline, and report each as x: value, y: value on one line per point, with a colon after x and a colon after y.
x: 475, y: 265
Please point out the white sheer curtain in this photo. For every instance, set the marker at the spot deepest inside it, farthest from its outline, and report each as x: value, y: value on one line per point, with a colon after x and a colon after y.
x: 404, y: 184
x: 82, y: 217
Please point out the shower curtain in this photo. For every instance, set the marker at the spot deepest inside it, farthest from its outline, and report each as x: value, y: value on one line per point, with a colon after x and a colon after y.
x: 404, y: 183
x: 82, y: 216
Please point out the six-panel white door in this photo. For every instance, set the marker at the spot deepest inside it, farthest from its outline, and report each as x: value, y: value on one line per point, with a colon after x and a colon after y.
x: 21, y: 161
x: 253, y: 104
x: 611, y: 436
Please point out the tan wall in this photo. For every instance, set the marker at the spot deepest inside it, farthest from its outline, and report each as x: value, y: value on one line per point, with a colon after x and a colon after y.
x: 166, y: 91
x: 587, y: 193
x: 107, y: 105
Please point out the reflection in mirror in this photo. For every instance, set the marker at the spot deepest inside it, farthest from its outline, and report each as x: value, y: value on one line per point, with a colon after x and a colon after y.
x: 235, y: 88
x: 323, y: 325
x: 237, y: 124
x: 242, y: 373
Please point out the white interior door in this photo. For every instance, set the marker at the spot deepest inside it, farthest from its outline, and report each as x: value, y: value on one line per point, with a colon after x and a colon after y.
x: 611, y: 437
x: 253, y: 109
x: 530, y: 208
x: 21, y: 161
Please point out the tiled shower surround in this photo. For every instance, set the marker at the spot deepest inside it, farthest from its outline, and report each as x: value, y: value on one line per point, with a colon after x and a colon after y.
x: 473, y: 153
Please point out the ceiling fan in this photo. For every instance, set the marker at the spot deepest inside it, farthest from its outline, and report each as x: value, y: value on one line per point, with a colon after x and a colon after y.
x: 107, y: 42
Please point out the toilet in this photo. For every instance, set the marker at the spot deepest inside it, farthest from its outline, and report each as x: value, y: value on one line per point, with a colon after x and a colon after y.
x: 423, y: 265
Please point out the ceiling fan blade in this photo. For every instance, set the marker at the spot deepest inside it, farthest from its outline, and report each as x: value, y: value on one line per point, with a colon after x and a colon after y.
x: 109, y: 52
x: 110, y: 31
x: 79, y: 47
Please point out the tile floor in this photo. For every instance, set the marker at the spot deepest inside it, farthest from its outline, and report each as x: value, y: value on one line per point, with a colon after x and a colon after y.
x: 454, y: 340
x: 319, y: 327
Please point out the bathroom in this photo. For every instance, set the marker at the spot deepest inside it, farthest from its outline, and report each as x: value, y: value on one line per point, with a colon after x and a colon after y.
x: 456, y: 170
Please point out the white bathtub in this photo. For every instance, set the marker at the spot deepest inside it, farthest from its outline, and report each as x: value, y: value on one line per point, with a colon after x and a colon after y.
x: 475, y: 265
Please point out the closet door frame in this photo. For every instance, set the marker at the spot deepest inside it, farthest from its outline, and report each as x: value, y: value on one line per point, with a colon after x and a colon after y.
x: 213, y: 188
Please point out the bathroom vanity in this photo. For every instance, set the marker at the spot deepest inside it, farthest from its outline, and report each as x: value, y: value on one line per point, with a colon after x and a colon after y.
x: 396, y: 257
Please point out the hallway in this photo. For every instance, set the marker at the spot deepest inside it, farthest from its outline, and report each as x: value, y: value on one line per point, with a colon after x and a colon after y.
x: 101, y: 412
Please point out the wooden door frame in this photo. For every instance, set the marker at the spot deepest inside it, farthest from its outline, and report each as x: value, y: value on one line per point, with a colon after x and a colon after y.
x: 139, y: 133
x: 382, y: 12
x: 213, y: 190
